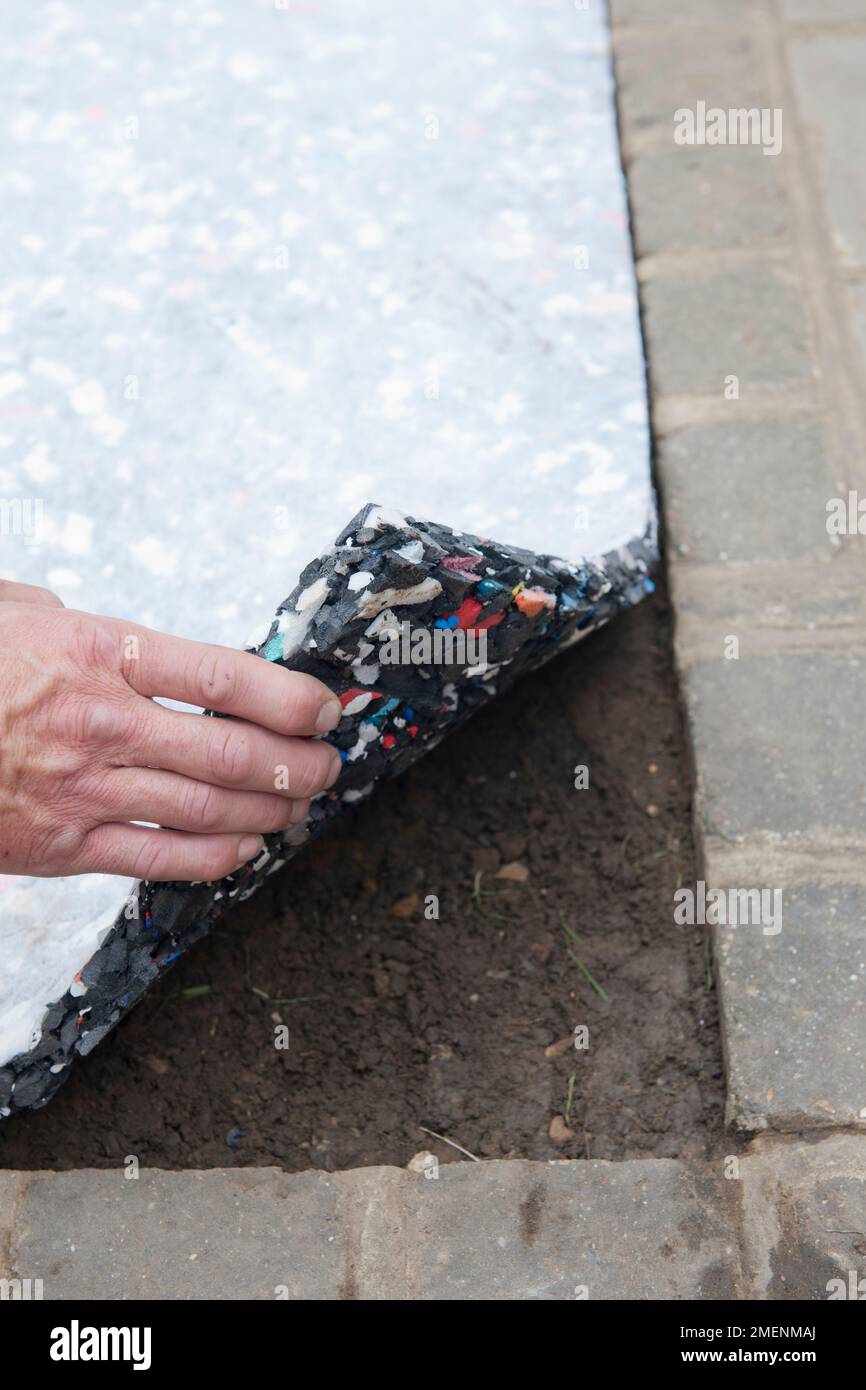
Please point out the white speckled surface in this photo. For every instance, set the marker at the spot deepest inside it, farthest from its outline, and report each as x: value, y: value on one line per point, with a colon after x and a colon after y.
x: 267, y: 262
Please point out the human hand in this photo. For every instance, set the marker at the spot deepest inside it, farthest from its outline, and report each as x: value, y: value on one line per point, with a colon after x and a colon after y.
x: 85, y: 750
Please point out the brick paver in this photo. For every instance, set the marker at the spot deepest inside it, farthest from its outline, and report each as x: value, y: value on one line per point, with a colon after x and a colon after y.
x: 751, y: 268
x: 777, y: 1224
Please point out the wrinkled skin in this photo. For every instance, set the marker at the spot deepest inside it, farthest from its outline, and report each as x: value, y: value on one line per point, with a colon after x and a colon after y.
x: 85, y: 750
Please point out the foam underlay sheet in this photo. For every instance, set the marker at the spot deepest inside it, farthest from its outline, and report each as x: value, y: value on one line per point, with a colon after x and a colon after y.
x: 327, y: 301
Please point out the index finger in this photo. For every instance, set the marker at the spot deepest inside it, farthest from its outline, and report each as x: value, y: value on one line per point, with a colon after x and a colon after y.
x: 232, y: 682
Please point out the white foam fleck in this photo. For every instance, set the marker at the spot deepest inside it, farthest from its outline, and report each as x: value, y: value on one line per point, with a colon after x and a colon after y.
x: 154, y: 555
x: 153, y: 237
x: 56, y: 372
x: 413, y: 551
x: 258, y: 635
x: 38, y: 466
x: 10, y: 382
x: 76, y: 534
x: 290, y: 224
x: 244, y: 67
x: 59, y: 578
x: 370, y: 235
x: 393, y: 392
x: 89, y: 400
x: 313, y: 596
x: 561, y: 305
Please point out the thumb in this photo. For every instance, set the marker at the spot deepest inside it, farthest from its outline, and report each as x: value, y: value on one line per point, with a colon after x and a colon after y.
x: 11, y: 592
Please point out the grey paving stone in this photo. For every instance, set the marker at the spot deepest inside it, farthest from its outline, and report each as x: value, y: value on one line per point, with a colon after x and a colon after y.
x: 638, y: 1230
x: 778, y: 743
x: 772, y: 605
x: 11, y: 1187
x: 818, y: 10
x: 10, y: 1184
x: 708, y: 486
x: 803, y: 1218
x: 501, y: 1230
x: 828, y: 74
x: 781, y: 1224
x: 701, y: 330
x: 242, y: 1233
x: 794, y: 1011
x: 697, y: 197
x: 673, y: 12
x: 663, y: 69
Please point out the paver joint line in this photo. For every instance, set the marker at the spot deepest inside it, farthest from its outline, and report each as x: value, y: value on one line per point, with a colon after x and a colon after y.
x: 9, y: 1209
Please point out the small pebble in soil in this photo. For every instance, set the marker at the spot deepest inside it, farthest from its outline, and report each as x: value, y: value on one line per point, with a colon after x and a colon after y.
x: 559, y: 1131
x: 514, y: 872
x: 423, y: 1162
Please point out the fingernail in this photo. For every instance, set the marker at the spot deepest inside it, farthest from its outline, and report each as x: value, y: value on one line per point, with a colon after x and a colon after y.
x: 298, y: 810
x: 338, y: 768
x: 249, y: 847
x: 329, y: 716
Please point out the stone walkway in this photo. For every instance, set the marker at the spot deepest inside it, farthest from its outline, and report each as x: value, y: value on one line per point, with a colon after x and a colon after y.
x: 753, y: 277
x: 775, y: 1228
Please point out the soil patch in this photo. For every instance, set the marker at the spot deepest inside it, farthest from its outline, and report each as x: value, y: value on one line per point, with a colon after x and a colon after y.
x: 462, y: 1024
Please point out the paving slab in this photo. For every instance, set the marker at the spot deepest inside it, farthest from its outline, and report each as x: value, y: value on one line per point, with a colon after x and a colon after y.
x: 12, y: 1185
x: 491, y: 1231
x: 770, y: 603
x: 748, y: 266
x: 780, y: 1222
x: 661, y: 69
x: 794, y: 1010
x: 214, y: 1234
x: 650, y: 12
x: 828, y: 71
x: 803, y: 1209
x: 820, y: 11
x: 701, y: 196
x: 702, y: 330
x: 776, y: 742
x: 632, y: 1231
x: 708, y: 485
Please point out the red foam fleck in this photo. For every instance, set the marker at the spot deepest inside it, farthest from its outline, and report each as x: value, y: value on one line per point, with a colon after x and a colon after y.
x: 349, y: 695
x: 488, y: 622
x: 467, y: 612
